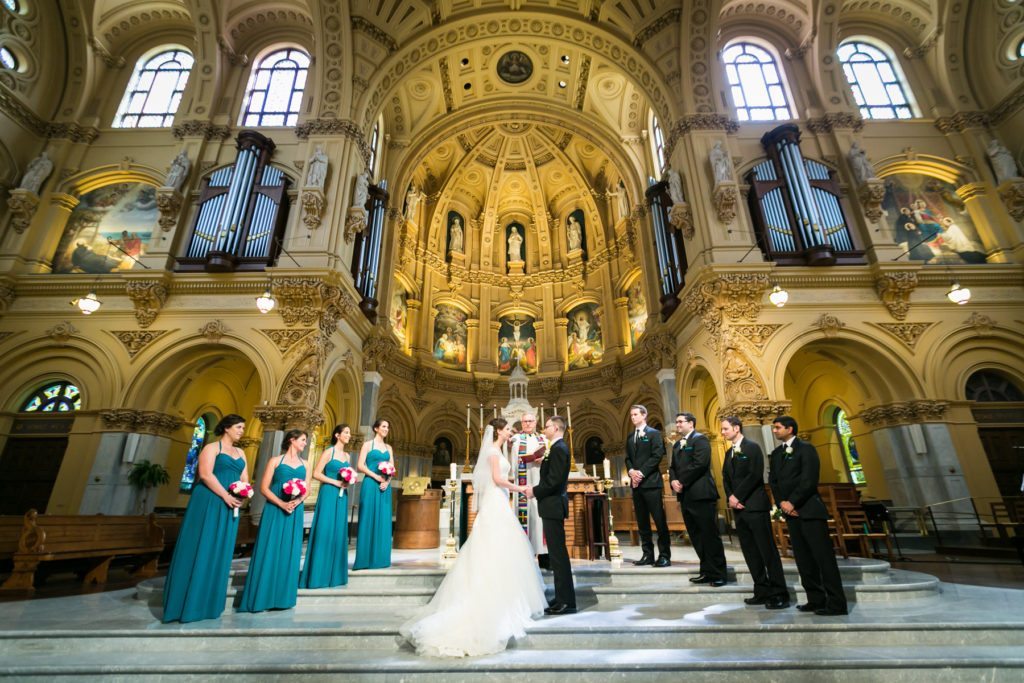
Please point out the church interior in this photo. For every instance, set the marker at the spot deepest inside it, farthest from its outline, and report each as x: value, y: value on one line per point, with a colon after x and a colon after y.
x: 323, y: 212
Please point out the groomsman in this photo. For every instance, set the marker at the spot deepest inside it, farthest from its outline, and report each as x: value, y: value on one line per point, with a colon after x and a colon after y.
x: 644, y: 451
x: 694, y: 484
x: 743, y: 479
x: 794, y: 474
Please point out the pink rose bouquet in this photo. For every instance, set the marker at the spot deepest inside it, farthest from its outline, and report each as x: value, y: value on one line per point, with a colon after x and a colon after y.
x: 386, y: 468
x: 348, y: 476
x: 240, y: 490
x: 293, y: 488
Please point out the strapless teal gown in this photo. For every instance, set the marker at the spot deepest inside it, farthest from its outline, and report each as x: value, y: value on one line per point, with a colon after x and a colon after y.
x: 373, y: 544
x: 327, y: 551
x: 197, y: 580
x: 273, y: 579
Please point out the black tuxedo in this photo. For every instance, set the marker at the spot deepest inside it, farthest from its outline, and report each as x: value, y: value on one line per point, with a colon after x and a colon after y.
x: 794, y: 477
x: 553, y: 507
x: 645, y: 455
x: 743, y: 477
x: 691, y: 467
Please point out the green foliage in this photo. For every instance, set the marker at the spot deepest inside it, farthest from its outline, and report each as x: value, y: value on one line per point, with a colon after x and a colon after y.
x: 146, y: 475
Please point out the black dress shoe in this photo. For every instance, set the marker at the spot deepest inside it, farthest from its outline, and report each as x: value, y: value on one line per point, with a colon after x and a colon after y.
x: 700, y: 579
x: 777, y: 603
x: 663, y: 562
x: 559, y: 608
x: 717, y: 583
x: 808, y: 607
x: 756, y: 601
x: 831, y: 612
x: 552, y: 603
x: 644, y: 560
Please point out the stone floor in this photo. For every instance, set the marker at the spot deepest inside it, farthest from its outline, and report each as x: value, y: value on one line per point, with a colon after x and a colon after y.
x: 645, y: 624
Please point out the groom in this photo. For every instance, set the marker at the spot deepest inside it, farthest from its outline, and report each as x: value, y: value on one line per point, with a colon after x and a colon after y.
x: 553, y: 506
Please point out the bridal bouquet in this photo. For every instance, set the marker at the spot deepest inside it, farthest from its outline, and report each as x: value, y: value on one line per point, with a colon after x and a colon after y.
x: 293, y: 488
x: 777, y: 514
x: 240, y: 490
x: 347, y: 475
x: 386, y: 468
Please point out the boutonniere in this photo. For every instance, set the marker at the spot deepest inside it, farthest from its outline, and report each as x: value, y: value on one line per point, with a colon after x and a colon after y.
x: 644, y: 439
x: 737, y: 453
x: 547, y: 452
x: 789, y: 451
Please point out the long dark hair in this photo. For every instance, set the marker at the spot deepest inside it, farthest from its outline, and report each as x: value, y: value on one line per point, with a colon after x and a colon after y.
x: 337, y: 433
x: 290, y: 436
x: 226, y: 423
x: 378, y: 422
x: 498, y: 423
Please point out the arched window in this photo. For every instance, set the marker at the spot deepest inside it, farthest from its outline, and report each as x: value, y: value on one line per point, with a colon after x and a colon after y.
x: 188, y: 477
x: 8, y: 60
x: 851, y: 458
x: 12, y: 5
x: 879, y: 89
x: 658, y: 145
x: 758, y: 92
x: 988, y: 386
x: 58, y: 397
x: 154, y: 91
x: 1020, y: 49
x: 274, y: 95
x: 374, y: 149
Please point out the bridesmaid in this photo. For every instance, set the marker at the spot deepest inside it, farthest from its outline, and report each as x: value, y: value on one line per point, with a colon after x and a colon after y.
x: 197, y: 580
x: 327, y: 551
x: 373, y: 543
x: 273, y: 579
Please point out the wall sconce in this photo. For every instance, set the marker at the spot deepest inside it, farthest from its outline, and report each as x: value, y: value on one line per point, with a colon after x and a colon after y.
x: 778, y: 296
x: 88, y: 304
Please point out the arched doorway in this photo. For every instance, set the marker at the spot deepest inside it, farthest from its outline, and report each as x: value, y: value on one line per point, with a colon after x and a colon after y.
x: 35, y: 450
x: 1000, y: 427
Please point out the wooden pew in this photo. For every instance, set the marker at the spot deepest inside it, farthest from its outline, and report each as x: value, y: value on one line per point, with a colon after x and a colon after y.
x: 10, y: 532
x: 171, y: 525
x: 95, y: 539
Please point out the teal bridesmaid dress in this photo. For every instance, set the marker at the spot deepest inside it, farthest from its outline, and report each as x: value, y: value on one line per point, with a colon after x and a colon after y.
x: 373, y: 544
x: 197, y: 580
x: 273, y: 579
x: 327, y: 551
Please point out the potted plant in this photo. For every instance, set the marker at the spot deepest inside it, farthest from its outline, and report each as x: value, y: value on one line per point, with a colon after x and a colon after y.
x: 146, y: 475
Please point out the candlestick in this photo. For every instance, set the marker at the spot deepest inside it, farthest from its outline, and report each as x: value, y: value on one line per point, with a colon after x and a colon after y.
x: 481, y: 417
x: 454, y: 471
x: 568, y: 415
x: 542, y: 414
x: 495, y: 410
x: 467, y: 416
x: 607, y: 469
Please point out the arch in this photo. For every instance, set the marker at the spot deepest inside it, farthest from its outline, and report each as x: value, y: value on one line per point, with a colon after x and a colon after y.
x: 951, y: 360
x: 399, y: 416
x: 108, y: 174
x: 699, y: 394
x: 84, y: 363
x: 874, y: 73
x: 762, y: 69
x: 283, y: 66
x: 56, y: 396
x: 168, y: 65
x: 991, y: 386
x: 457, y: 301
x: 342, y: 396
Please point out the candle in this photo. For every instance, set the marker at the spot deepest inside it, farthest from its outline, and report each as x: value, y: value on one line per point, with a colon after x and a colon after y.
x: 568, y: 415
x: 495, y: 410
x: 481, y: 417
x: 542, y: 413
x: 607, y: 469
x: 594, y: 468
x: 467, y: 416
x: 454, y: 470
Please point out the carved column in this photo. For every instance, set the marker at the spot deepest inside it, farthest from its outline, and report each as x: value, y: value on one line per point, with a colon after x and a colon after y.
x: 994, y: 230
x: 37, y: 251
x: 413, y: 335
x: 562, y: 342
x: 622, y: 321
x: 476, y: 356
x: 669, y: 395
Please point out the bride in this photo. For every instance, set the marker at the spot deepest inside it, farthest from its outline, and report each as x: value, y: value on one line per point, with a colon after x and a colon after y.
x: 494, y: 589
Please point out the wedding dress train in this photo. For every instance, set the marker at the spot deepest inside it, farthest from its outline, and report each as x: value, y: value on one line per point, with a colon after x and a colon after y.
x: 493, y: 590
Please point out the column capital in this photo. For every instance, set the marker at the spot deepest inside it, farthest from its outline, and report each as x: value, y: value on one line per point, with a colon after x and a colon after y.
x: 282, y: 417
x: 907, y: 412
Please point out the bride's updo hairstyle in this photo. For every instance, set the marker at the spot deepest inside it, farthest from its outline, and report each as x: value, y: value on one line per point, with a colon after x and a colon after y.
x: 498, y: 423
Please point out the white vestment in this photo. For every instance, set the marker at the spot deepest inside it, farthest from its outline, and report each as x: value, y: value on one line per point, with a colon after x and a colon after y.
x: 528, y: 474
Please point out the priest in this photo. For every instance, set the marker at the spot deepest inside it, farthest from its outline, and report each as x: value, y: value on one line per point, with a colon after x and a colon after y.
x: 522, y: 446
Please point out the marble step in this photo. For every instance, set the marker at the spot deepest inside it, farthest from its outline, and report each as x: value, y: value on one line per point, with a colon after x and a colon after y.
x: 755, y: 664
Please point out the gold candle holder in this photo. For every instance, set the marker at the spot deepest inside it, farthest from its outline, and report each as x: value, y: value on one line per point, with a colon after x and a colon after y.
x: 614, y: 553
x: 451, y: 550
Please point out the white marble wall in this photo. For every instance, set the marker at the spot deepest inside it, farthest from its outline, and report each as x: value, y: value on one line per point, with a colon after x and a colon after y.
x: 108, y: 491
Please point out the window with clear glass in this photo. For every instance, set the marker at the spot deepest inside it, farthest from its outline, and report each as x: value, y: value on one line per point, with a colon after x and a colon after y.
x: 188, y: 476
x: 658, y: 140
x: 1020, y: 49
x: 8, y: 60
x: 274, y: 95
x: 374, y: 148
x: 755, y: 81
x: 877, y: 87
x: 154, y: 91
x: 988, y: 386
x: 58, y: 397
x: 850, y: 455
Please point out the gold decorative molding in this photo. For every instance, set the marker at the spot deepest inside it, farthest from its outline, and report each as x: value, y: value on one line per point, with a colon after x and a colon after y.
x: 729, y: 295
x: 724, y: 196
x: 135, y: 341
x: 308, y: 301
x: 755, y: 412
x: 981, y: 322
x: 835, y: 120
x: 313, y: 204
x: 168, y: 202
x: 1012, y: 194
x: 829, y: 324
x: 484, y: 387
x: 894, y: 291
x: 214, y: 330
x: 148, y: 421
x: 909, y: 412
x: 7, y: 294
x: 871, y: 194
x: 757, y: 335
x: 285, y: 339
x: 961, y: 121
x: 283, y: 417
x: 62, y: 331
x: 378, y: 349
x: 22, y: 204
x: 148, y: 297
x: 682, y: 218
x: 200, y: 129
x: 908, y: 333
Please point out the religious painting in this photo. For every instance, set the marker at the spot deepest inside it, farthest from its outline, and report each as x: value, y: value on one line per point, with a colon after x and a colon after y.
x: 930, y: 221
x: 442, y: 452
x: 456, y: 239
x: 516, y: 241
x: 399, y: 314
x: 636, y: 311
x: 450, y: 337
x: 515, y: 67
x: 585, y: 343
x: 517, y: 345
x: 576, y: 231
x: 108, y: 229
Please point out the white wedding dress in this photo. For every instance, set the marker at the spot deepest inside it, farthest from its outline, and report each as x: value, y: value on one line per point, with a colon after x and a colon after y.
x: 493, y: 590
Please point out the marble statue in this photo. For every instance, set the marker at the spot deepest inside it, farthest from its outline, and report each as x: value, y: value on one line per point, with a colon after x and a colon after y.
x: 675, y: 186
x: 456, y: 236
x: 362, y: 192
x: 412, y: 201
x: 515, y: 242
x: 574, y: 233
x: 623, y: 200
x: 858, y: 158
x: 38, y: 171
x: 1002, y: 161
x: 721, y: 164
x: 316, y: 173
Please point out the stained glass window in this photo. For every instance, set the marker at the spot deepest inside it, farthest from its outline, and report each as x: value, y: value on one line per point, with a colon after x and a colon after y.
x: 988, y: 386
x: 59, y: 397
x: 658, y: 140
x: 188, y: 477
x: 154, y: 91
x: 756, y: 83
x: 8, y: 60
x: 274, y: 95
x: 877, y: 87
x: 849, y: 448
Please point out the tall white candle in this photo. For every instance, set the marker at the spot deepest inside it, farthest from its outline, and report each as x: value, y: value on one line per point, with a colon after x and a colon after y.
x: 607, y: 469
x: 495, y: 410
x: 467, y: 416
x: 568, y: 415
x: 454, y: 470
x: 542, y: 414
x: 481, y: 417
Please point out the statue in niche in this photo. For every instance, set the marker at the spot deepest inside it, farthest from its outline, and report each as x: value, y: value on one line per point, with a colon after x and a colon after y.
x: 178, y: 171
x: 623, y: 200
x: 515, y: 244
x: 412, y: 202
x: 858, y: 158
x: 721, y: 165
x: 574, y: 233
x: 362, y: 192
x: 38, y: 171
x: 456, y: 234
x: 316, y: 172
x: 1002, y: 161
x: 675, y: 186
